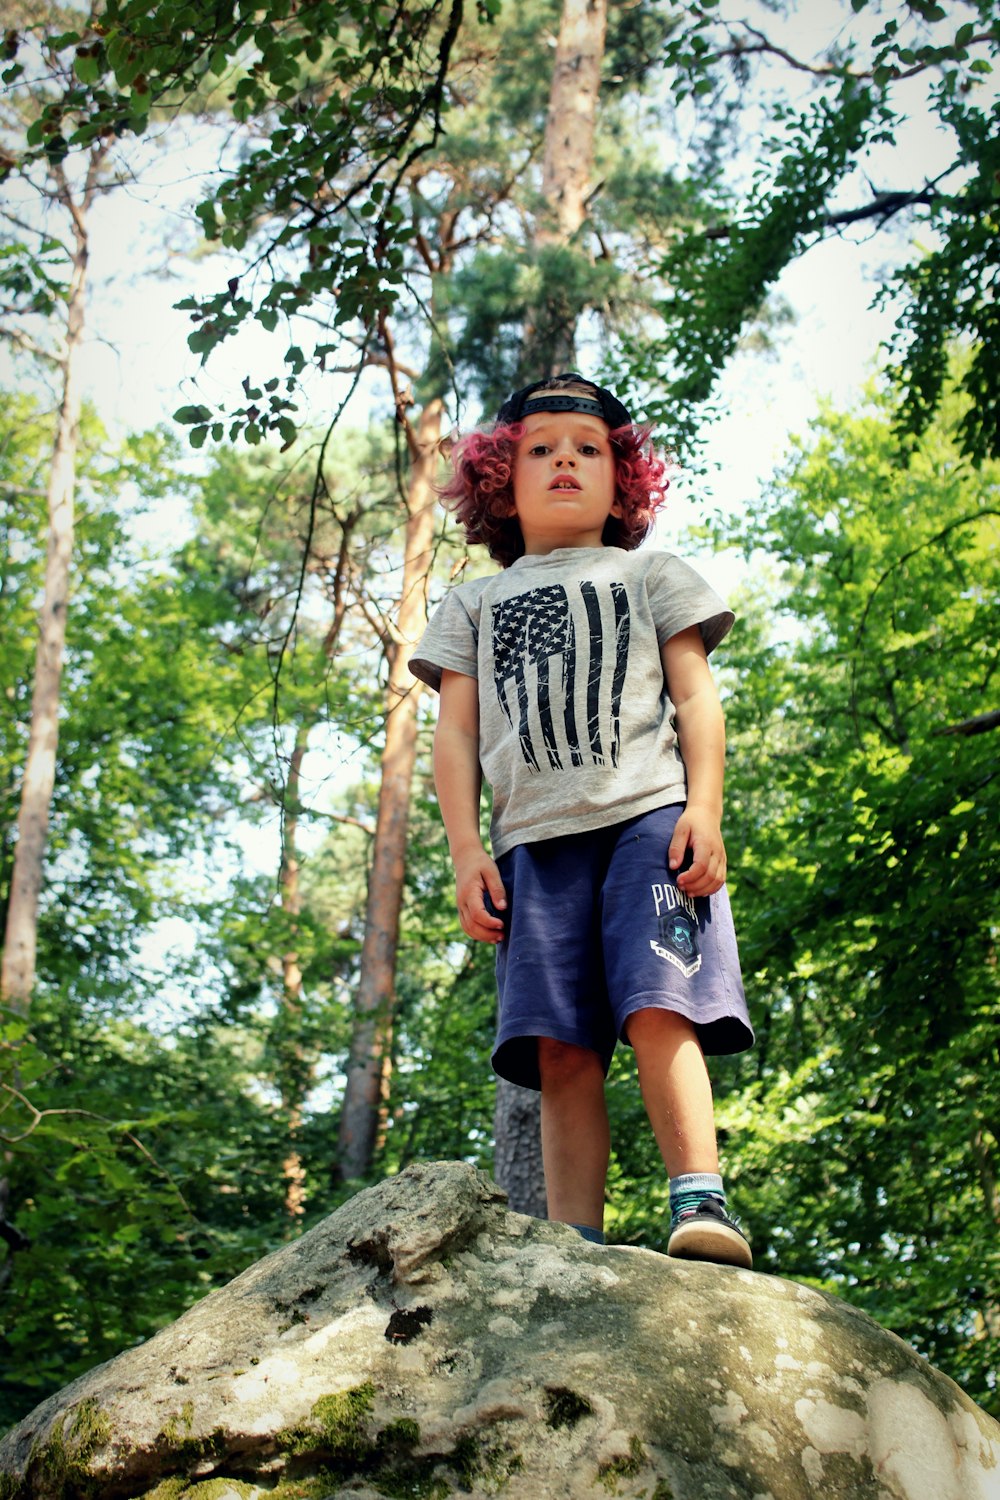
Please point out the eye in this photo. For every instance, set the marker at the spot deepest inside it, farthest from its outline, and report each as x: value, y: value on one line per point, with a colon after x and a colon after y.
x: 538, y: 450
x: 589, y: 450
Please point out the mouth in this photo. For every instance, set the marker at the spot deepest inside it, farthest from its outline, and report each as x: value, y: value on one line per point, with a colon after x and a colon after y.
x: 565, y: 482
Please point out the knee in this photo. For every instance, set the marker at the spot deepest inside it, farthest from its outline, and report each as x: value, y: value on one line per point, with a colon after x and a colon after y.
x: 562, y: 1064
x: 653, y: 1026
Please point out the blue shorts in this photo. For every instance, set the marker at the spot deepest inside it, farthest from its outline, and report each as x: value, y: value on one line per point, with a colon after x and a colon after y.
x: 595, y: 928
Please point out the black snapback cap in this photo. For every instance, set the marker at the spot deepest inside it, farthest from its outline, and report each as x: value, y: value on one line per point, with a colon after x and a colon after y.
x: 556, y: 394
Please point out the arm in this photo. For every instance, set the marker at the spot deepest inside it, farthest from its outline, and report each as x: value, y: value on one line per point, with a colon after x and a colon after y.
x: 458, y: 778
x: 702, y: 734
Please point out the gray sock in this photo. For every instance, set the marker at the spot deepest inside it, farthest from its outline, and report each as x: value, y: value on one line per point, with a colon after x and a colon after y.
x: 687, y: 1191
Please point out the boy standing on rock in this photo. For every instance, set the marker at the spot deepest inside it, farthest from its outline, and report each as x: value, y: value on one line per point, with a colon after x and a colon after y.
x: 577, y: 682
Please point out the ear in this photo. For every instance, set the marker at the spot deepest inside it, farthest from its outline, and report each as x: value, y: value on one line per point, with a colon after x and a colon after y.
x: 616, y: 508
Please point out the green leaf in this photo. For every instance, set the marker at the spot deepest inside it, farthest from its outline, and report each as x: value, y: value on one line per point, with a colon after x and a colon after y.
x: 191, y: 414
x: 87, y: 67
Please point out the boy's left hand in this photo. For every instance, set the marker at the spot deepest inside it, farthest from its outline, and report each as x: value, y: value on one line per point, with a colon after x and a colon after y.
x: 698, y: 830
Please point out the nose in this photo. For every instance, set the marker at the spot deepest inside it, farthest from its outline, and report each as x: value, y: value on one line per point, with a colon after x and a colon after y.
x: 565, y: 456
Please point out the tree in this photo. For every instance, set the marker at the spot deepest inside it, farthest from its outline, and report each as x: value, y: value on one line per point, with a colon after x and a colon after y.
x: 311, y: 76
x: 862, y: 95
x: 31, y: 296
x: 297, y: 550
x: 371, y: 1041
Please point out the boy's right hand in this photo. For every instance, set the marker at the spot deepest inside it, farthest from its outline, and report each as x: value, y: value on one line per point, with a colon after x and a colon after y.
x: 475, y: 876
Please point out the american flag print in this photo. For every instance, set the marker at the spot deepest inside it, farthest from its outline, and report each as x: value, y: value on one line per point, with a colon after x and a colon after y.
x: 574, y: 625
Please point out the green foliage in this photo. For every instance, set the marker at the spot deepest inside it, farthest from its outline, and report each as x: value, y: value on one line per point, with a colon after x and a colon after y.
x: 720, y: 273
x: 140, y: 57
x: 501, y: 292
x: 718, y: 283
x: 346, y: 94
x: 951, y: 290
x: 31, y: 277
x: 144, y: 702
x: 330, y: 208
x: 861, y: 1133
x: 143, y: 1144
x: 128, y: 1216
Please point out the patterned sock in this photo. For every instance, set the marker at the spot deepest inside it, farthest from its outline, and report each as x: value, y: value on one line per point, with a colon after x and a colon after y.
x: 687, y: 1191
x: 595, y: 1236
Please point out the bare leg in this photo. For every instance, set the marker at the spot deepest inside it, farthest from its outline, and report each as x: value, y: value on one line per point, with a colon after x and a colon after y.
x: 677, y: 1093
x: 576, y: 1141
x: 676, y: 1090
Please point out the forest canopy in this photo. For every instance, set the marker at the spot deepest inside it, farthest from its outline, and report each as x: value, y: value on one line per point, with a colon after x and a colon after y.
x: 349, y: 108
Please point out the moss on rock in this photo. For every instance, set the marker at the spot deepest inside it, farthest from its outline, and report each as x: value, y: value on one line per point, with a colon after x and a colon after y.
x: 337, y: 1425
x: 172, y: 1433
x: 60, y: 1464
x: 564, y: 1408
x: 625, y: 1467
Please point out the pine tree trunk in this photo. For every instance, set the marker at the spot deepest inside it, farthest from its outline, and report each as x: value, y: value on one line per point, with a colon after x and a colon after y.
x: 17, y: 975
x: 369, y: 1059
x: 295, y: 1072
x: 549, y: 346
x: 569, y: 128
x: 549, y: 343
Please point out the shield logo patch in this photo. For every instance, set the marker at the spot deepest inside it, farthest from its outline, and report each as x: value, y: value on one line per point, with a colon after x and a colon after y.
x: 679, y: 941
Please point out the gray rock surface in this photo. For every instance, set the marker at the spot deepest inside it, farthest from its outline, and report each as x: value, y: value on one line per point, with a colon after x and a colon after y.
x: 422, y: 1341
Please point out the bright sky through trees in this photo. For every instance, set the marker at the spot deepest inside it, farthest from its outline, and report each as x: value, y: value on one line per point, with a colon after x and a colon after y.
x: 138, y: 369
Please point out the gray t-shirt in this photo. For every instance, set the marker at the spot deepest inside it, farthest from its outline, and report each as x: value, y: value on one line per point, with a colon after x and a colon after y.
x: 576, y: 729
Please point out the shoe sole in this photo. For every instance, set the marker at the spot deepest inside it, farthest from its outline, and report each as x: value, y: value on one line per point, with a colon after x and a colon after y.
x: 710, y: 1241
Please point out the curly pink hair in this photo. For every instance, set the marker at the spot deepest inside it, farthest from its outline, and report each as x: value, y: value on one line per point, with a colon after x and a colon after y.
x: 480, y: 489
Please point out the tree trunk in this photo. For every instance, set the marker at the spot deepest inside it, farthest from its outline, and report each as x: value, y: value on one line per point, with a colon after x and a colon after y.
x: 369, y: 1055
x: 549, y: 346
x: 17, y: 975
x: 569, y: 129
x: 517, y: 1150
x: 549, y: 343
x: 295, y: 1073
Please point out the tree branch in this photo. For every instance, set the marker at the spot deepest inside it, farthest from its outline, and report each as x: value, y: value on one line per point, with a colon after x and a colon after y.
x: 22, y: 340
x: 979, y: 724
x: 883, y: 206
x: 401, y: 397
x: 763, y: 44
x: 740, y: 48
x: 347, y: 820
x: 112, y: 1127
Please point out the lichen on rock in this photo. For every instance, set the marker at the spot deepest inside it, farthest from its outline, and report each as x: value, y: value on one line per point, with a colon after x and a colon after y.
x: 424, y: 1342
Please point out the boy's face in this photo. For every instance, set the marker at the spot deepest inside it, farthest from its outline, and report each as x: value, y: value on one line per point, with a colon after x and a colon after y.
x: 564, y: 481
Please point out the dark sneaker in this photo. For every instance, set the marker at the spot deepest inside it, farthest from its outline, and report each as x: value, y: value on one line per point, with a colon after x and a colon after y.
x: 708, y: 1233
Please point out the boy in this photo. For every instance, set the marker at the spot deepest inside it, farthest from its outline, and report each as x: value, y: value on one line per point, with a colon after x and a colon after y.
x: 577, y: 681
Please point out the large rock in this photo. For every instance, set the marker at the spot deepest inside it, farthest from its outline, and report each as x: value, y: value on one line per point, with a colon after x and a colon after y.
x: 424, y: 1342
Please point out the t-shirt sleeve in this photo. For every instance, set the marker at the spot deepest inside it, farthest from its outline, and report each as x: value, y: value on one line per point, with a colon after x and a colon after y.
x: 680, y: 598
x: 450, y: 642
